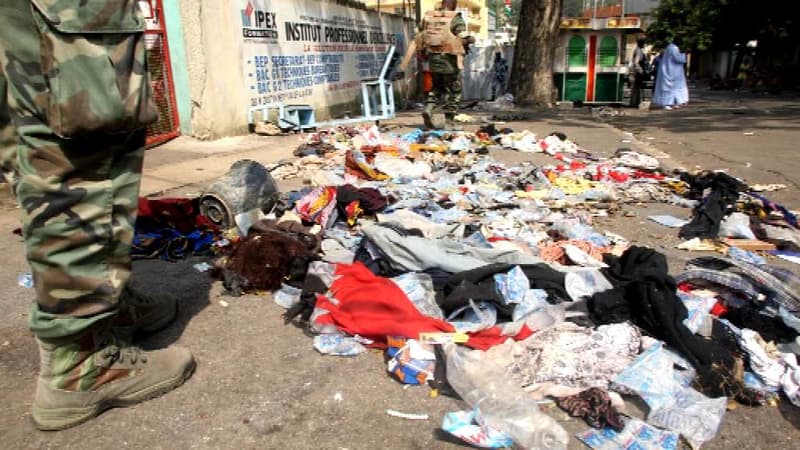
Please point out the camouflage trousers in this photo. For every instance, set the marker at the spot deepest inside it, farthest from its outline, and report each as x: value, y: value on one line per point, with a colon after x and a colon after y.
x: 446, y: 92
x: 78, y: 195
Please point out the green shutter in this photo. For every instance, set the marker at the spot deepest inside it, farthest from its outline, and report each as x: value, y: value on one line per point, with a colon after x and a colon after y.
x: 607, y: 53
x: 576, y: 51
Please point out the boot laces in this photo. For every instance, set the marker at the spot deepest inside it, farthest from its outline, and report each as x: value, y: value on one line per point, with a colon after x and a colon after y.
x: 113, y: 350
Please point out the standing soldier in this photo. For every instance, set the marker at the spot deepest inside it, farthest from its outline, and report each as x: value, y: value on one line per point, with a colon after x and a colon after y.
x: 499, y: 72
x: 444, y: 39
x: 74, y: 86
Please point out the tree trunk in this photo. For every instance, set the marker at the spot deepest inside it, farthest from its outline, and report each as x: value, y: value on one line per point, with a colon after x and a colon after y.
x: 532, y: 73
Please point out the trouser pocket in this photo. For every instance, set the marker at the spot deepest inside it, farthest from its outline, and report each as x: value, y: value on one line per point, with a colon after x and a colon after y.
x: 94, y: 65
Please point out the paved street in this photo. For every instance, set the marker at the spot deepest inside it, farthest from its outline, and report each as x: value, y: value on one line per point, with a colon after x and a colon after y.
x: 260, y: 384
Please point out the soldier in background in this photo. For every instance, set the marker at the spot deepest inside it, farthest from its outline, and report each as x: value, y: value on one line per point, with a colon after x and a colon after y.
x: 74, y: 104
x: 444, y: 40
x: 499, y: 74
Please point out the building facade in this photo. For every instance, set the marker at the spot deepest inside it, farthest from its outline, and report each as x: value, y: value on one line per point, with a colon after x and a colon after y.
x: 475, y: 12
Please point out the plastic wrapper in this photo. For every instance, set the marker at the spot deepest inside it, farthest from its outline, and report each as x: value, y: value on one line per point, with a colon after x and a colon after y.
x: 736, y: 225
x: 339, y: 345
x: 512, y: 285
x: 470, y: 427
x: 418, y: 287
x: 287, y: 296
x: 475, y: 316
x: 575, y: 230
x: 502, y: 403
x: 669, y: 221
x: 585, y: 283
x: 534, y: 300
x: 636, y: 435
x: 672, y: 405
x: 698, y: 308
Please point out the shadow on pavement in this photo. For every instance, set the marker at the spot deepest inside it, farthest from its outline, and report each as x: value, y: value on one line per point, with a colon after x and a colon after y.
x: 726, y: 114
x: 789, y: 412
x: 176, y: 279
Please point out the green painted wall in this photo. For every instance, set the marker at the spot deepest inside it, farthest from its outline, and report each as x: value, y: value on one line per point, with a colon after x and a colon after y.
x: 177, y: 54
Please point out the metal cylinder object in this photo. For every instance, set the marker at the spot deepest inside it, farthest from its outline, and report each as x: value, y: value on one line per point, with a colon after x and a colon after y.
x: 247, y: 185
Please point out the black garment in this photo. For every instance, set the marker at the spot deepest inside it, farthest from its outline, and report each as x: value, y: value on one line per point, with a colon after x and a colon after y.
x: 644, y: 293
x: 440, y: 277
x: 637, y: 89
x: 376, y: 261
x: 369, y: 199
x: 312, y: 286
x: 478, y: 285
x: 542, y: 276
x: 772, y: 329
x: 707, y: 216
x: 439, y: 381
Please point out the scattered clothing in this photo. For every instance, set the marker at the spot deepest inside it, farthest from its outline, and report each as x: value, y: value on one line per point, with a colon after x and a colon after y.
x: 645, y: 294
x: 415, y: 253
x: 708, y: 215
x: 594, y: 406
x: 574, y: 356
x: 171, y: 229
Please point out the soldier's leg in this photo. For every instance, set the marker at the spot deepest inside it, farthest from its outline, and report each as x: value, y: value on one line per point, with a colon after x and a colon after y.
x: 434, y: 97
x: 452, y: 99
x: 8, y: 138
x: 78, y: 197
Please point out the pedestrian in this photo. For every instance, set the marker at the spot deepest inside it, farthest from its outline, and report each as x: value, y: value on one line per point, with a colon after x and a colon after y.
x: 499, y: 72
x: 444, y: 40
x: 671, y: 89
x: 639, y: 71
x: 76, y: 91
x: 654, y: 67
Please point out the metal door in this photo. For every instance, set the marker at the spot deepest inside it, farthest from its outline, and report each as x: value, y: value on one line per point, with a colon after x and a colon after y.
x: 158, y: 63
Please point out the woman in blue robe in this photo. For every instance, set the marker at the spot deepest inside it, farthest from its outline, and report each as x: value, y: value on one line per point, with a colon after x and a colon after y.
x: 671, y: 90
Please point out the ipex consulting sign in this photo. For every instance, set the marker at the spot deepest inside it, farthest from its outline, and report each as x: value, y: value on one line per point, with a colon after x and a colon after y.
x: 259, y: 23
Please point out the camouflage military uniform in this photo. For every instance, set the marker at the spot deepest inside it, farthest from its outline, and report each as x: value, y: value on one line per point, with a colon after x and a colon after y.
x: 80, y: 117
x: 447, y: 84
x: 74, y: 103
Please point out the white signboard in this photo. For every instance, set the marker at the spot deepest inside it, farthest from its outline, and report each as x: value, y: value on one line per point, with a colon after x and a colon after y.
x: 311, y: 52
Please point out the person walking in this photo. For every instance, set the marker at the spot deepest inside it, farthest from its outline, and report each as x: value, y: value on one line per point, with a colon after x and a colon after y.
x: 639, y: 72
x: 671, y: 89
x: 499, y: 74
x: 444, y: 40
x: 74, y: 102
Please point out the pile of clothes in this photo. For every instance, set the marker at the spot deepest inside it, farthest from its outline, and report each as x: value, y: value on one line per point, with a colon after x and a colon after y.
x: 419, y: 242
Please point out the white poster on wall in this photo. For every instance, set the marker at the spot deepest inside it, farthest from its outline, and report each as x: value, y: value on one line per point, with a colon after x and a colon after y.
x: 312, y: 52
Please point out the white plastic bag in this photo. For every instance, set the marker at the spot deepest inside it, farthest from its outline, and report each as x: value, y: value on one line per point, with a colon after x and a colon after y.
x: 503, y: 404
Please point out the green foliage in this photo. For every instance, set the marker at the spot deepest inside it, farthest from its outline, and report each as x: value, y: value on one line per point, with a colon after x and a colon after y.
x: 503, y: 18
x: 722, y: 24
x: 694, y: 22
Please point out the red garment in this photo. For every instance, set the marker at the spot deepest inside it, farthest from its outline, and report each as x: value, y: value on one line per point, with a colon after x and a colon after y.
x: 486, y: 339
x: 182, y: 214
x: 375, y: 307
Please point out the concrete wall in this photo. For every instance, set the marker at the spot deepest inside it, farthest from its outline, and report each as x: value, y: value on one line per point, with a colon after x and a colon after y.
x: 212, y: 62
x: 219, y: 90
